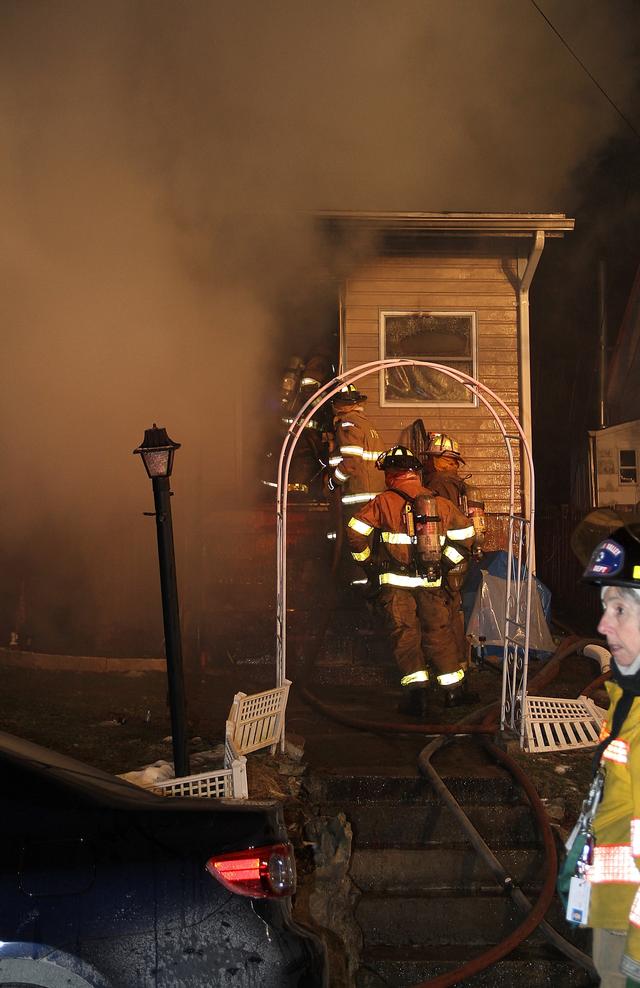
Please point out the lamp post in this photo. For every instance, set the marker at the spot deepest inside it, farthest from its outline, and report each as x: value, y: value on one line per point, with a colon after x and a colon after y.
x: 157, y: 452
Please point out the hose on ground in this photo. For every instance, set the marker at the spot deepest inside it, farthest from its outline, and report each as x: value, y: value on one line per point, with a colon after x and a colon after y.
x: 534, y: 914
x: 390, y: 727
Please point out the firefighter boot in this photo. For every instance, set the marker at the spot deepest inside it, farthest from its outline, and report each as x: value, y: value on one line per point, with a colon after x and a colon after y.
x: 414, y: 701
x: 459, y: 695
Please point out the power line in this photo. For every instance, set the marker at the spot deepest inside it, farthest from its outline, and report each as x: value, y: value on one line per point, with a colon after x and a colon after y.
x: 585, y: 69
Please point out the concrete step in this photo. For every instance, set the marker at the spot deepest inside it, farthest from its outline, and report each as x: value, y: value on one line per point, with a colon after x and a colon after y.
x: 387, y: 824
x: 451, y: 917
x: 412, y: 872
x: 530, y: 967
x: 361, y: 787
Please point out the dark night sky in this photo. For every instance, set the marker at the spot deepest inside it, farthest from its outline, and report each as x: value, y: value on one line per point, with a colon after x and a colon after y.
x: 566, y: 305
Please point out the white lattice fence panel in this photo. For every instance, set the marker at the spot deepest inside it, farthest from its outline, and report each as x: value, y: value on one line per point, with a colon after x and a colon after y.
x: 257, y: 719
x: 553, y: 724
x: 215, y: 785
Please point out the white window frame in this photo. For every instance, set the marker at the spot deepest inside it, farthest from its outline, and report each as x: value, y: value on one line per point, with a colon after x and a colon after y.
x: 418, y: 403
x: 621, y: 480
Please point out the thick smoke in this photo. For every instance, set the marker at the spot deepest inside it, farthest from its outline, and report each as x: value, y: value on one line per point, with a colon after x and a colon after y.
x: 160, y: 165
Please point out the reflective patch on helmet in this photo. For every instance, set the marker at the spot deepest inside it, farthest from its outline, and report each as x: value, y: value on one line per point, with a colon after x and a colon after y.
x: 607, y: 559
x: 636, y: 572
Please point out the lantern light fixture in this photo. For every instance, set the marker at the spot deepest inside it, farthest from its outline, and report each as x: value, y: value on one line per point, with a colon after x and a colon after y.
x: 157, y: 451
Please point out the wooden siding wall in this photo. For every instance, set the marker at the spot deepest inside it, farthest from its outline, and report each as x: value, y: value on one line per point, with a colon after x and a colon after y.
x: 444, y: 282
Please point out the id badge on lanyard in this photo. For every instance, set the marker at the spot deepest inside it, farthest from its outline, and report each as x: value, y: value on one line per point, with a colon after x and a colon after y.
x: 579, y: 887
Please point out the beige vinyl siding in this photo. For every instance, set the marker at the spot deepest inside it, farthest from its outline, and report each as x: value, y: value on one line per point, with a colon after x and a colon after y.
x: 478, y: 284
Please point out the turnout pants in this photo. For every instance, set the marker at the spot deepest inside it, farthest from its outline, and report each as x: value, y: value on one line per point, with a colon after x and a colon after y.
x: 421, y: 624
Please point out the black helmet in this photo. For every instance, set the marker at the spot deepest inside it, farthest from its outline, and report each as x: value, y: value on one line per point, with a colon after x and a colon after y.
x: 398, y: 458
x: 348, y: 395
x: 616, y: 560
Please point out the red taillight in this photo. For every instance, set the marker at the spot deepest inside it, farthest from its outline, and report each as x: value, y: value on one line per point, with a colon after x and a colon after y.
x: 259, y: 872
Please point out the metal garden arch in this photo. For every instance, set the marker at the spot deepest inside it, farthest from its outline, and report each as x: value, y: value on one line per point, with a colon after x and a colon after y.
x: 519, y: 575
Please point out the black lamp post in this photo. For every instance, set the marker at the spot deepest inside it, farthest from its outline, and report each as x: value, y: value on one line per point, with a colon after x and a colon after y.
x: 157, y: 452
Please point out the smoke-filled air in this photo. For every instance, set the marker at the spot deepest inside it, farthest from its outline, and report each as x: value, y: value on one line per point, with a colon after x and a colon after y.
x: 160, y: 167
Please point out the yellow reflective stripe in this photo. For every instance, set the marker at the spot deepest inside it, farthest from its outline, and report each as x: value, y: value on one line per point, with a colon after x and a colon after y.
x: 371, y: 455
x: 422, y: 676
x: 347, y: 425
x: 617, y: 751
x: 311, y: 424
x: 398, y: 580
x: 357, y: 498
x: 458, y: 534
x: 307, y: 381
x: 361, y: 556
x: 452, y: 554
x: 451, y: 678
x: 298, y: 488
x: 340, y: 475
x: 397, y: 538
x: 634, y: 912
x: 613, y: 863
x: 360, y: 526
x: 635, y: 837
x: 359, y: 583
x: 352, y: 450
x: 334, y: 460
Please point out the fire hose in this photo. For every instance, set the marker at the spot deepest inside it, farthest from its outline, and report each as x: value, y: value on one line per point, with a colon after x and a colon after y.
x: 534, y: 915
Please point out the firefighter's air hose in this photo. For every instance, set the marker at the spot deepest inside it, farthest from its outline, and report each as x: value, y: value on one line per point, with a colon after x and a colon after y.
x: 487, y: 726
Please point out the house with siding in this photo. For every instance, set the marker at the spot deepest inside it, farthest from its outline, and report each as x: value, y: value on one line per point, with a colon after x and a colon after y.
x: 452, y: 288
x: 606, y: 471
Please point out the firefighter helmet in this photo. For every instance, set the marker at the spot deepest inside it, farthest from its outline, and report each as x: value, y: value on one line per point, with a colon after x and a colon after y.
x: 398, y: 458
x: 616, y: 560
x: 442, y: 445
x: 348, y: 395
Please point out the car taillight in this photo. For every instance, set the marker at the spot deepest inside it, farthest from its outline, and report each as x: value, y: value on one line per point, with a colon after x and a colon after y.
x: 258, y: 872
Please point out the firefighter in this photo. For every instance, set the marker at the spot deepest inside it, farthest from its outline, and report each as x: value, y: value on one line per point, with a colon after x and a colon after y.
x: 614, y: 872
x: 356, y: 450
x: 352, y: 476
x: 442, y: 472
x: 300, y: 381
x: 442, y: 475
x: 405, y: 539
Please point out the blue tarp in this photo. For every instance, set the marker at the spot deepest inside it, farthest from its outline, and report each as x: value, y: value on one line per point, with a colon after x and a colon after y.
x: 494, y: 564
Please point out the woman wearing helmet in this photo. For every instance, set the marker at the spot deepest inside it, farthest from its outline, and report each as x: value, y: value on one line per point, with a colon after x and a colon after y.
x: 614, y: 874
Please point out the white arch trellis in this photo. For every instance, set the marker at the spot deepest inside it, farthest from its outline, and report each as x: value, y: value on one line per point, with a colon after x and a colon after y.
x: 519, y: 575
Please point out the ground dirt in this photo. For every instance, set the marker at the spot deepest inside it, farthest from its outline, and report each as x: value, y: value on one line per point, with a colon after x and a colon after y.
x: 120, y: 722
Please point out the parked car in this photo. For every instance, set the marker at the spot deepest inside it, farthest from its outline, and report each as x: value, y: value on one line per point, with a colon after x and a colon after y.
x: 106, y: 885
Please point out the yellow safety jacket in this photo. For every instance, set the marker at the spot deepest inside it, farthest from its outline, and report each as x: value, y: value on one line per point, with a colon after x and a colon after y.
x: 615, y: 872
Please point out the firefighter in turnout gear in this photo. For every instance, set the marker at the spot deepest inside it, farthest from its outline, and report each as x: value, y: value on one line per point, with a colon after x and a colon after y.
x: 442, y: 473
x: 613, y: 869
x: 353, y: 479
x: 300, y: 381
x: 406, y: 539
x: 356, y: 450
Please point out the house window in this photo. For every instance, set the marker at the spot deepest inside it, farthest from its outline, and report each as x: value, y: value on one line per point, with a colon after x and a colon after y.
x: 442, y: 337
x: 628, y: 466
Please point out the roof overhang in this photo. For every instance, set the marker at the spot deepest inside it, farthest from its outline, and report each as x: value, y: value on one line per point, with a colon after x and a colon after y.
x: 449, y: 224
